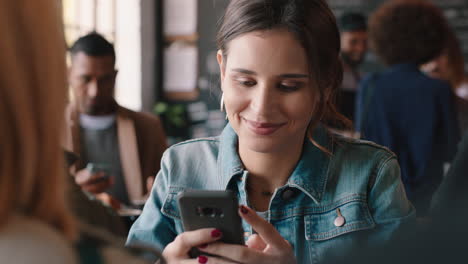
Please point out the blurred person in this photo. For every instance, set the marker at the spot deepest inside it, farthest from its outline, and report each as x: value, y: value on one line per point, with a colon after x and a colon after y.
x: 402, y: 108
x: 36, y: 225
x: 123, y: 146
x: 452, y: 195
x: 353, y: 35
x: 450, y: 66
x: 317, y: 194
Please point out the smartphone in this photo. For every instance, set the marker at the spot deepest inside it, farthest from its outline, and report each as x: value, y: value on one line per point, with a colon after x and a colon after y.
x: 99, y: 167
x: 211, y: 209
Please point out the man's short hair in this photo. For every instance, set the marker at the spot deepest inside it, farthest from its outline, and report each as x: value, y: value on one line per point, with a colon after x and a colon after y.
x: 93, y: 44
x: 352, y: 22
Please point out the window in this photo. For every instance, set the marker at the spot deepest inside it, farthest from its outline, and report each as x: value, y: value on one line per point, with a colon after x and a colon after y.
x: 120, y: 22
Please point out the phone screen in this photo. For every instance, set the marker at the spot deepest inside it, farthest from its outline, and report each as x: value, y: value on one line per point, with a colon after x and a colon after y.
x: 99, y: 167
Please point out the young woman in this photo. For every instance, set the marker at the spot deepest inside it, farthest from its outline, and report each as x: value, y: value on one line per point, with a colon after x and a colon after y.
x: 319, y: 194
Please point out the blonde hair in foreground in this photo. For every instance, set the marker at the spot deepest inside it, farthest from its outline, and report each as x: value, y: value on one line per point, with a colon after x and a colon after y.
x: 32, y: 98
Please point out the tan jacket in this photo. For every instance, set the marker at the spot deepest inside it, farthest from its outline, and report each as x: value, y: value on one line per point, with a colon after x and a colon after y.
x: 142, y: 143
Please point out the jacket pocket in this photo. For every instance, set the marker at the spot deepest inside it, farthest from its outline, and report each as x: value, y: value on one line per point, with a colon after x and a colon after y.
x: 170, y: 208
x: 322, y: 226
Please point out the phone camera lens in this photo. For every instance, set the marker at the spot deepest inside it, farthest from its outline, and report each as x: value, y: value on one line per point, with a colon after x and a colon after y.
x: 208, y: 211
x: 199, y: 211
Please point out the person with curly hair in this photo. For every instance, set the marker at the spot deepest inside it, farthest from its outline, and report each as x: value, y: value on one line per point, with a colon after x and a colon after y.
x: 401, y: 107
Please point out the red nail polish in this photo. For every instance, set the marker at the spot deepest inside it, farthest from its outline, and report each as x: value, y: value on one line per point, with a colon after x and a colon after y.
x: 216, y: 233
x: 203, y: 246
x: 202, y: 259
x: 244, y: 210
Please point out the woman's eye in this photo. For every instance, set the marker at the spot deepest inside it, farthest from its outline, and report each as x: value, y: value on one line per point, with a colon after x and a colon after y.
x: 246, y: 83
x: 289, y: 87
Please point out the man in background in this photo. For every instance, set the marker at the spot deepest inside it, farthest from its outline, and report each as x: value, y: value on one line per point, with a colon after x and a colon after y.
x: 119, y: 149
x: 353, y: 32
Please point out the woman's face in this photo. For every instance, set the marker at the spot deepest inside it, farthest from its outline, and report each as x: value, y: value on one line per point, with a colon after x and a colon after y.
x: 268, y: 93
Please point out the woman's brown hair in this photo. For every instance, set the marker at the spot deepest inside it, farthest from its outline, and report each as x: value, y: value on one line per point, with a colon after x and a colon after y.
x: 314, y: 26
x: 32, y: 98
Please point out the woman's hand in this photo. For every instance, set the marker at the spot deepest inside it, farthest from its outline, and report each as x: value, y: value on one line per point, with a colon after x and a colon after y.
x: 266, y: 247
x: 178, y: 251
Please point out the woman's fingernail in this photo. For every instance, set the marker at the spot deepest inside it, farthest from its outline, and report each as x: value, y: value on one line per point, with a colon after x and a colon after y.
x: 244, y: 210
x: 203, y: 246
x: 216, y: 233
x: 202, y: 259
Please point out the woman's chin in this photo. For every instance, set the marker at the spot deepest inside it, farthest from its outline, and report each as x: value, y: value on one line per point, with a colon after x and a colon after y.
x: 262, y: 146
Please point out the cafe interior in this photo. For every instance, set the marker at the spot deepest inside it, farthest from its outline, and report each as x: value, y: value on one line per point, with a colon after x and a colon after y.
x: 233, y: 131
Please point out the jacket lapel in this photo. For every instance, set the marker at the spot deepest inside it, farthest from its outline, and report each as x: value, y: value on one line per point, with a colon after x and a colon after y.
x: 71, y: 140
x: 129, y: 156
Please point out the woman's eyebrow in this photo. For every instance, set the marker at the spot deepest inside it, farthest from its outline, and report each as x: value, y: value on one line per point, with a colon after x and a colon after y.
x: 245, y: 71
x: 294, y: 75
x: 285, y: 75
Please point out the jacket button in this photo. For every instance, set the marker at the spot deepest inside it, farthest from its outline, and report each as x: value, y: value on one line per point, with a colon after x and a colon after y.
x: 287, y: 194
x: 339, y: 220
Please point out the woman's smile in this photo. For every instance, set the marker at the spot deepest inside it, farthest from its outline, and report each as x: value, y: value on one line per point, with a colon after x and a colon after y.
x: 263, y: 128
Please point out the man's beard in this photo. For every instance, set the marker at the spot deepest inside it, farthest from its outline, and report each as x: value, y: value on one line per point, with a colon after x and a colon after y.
x: 351, y: 62
x: 99, y: 108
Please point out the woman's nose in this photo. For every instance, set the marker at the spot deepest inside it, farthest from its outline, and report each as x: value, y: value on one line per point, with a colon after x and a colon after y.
x: 263, y: 99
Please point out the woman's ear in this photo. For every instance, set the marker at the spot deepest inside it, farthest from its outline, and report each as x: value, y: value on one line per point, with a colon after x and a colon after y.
x: 222, y: 68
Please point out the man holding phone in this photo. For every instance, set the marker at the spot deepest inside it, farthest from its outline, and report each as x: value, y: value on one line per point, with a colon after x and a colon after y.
x: 119, y: 149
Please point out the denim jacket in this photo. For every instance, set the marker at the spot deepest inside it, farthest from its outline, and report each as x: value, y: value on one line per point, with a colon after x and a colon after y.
x: 360, y: 180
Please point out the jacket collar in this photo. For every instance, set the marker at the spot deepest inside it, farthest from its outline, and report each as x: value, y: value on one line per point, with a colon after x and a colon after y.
x: 309, y: 176
x: 229, y: 163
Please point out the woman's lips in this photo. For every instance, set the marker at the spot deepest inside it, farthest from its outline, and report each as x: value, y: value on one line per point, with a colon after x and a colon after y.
x: 262, y: 128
